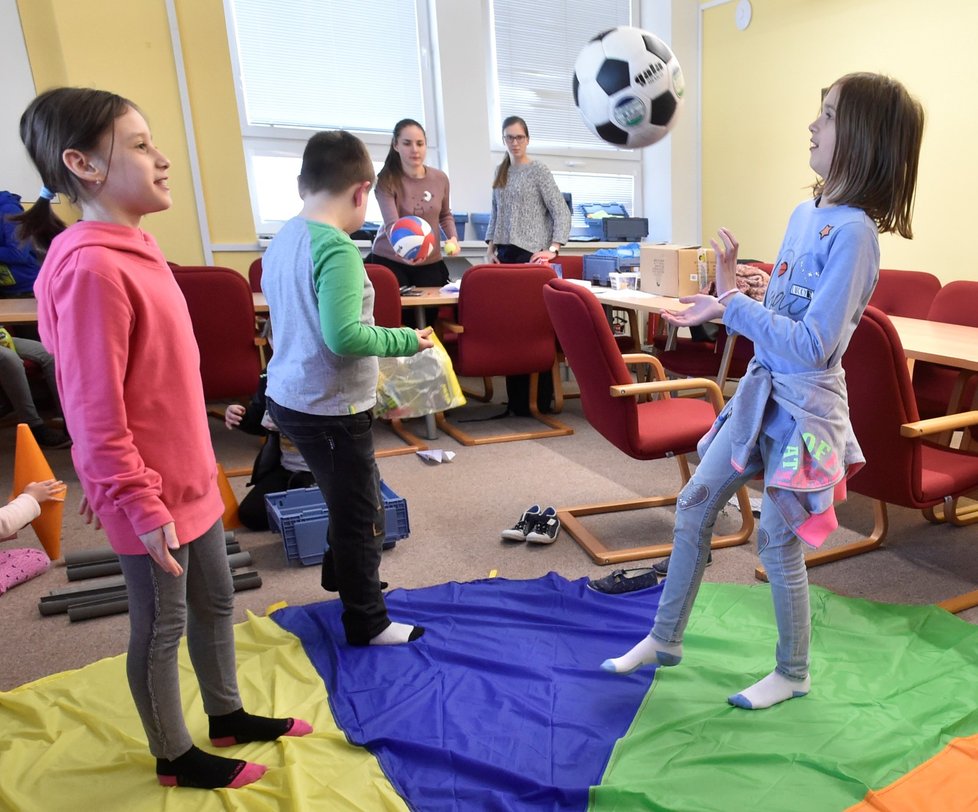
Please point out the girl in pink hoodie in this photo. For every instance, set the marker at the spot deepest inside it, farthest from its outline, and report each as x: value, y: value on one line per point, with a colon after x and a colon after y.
x: 111, y: 313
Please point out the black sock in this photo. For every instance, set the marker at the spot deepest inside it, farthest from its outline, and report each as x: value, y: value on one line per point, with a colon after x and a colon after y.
x: 243, y: 727
x: 195, y: 768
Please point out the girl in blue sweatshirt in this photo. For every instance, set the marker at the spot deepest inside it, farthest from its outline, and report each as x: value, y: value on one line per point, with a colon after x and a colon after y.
x: 789, y: 421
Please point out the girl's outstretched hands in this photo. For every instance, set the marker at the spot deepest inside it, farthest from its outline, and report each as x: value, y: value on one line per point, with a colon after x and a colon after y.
x: 705, y: 308
x: 159, y: 542
x: 726, y: 252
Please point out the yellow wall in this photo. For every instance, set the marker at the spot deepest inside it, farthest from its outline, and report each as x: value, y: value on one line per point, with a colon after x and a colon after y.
x: 125, y: 47
x: 761, y: 89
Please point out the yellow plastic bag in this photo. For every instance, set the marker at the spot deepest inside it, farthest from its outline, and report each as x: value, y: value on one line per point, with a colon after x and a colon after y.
x: 416, y: 385
x: 6, y: 340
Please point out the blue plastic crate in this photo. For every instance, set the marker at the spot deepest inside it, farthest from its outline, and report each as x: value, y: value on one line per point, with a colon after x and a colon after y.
x: 480, y: 222
x: 302, y: 518
x: 597, y: 267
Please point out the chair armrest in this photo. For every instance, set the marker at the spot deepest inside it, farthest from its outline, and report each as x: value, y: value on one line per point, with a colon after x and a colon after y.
x: 627, y: 390
x: 936, y: 425
x: 451, y: 327
x: 635, y: 358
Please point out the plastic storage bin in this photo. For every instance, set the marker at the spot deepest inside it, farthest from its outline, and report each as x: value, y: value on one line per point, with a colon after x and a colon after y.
x: 480, y: 222
x: 595, y: 225
x: 302, y: 518
x: 461, y: 218
x: 598, y: 267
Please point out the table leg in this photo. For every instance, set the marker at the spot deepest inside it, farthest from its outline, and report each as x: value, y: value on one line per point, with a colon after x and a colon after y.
x: 430, y: 432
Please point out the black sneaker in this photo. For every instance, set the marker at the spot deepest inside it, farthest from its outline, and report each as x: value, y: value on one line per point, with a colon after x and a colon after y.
x: 662, y: 567
x: 525, y: 524
x: 546, y: 528
x: 50, y: 438
x: 622, y: 581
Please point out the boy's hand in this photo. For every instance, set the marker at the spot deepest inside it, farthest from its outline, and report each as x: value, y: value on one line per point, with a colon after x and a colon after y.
x: 704, y: 309
x: 50, y: 490
x: 233, y: 415
x: 424, y: 342
x: 726, y: 261
x: 159, y: 542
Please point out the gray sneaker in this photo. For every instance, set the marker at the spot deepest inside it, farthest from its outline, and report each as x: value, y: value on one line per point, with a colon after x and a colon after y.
x: 622, y: 581
x: 546, y: 528
x: 525, y: 524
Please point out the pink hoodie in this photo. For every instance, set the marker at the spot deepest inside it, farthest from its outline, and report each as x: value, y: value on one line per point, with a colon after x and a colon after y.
x: 128, y: 372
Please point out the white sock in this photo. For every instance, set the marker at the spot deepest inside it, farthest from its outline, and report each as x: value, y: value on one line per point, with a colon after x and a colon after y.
x: 648, y: 651
x: 771, y: 690
x: 397, y: 633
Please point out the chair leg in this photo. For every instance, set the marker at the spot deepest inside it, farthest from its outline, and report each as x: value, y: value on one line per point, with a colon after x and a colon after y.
x: 865, y: 545
x: 414, y: 443
x: 485, y: 396
x: 952, y: 512
x: 601, y: 554
x: 558, y: 387
x: 959, y: 603
x: 556, y: 428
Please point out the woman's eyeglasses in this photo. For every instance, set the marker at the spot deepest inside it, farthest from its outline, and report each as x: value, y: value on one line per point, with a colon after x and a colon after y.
x: 514, y: 139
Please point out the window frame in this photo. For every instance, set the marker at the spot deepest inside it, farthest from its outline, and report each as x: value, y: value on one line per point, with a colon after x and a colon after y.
x: 289, y: 141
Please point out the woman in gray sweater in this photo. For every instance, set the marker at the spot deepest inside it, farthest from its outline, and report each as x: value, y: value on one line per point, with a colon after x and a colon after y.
x: 529, y: 219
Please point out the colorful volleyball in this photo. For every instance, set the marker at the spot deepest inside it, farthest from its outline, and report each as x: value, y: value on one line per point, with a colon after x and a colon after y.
x: 412, y: 238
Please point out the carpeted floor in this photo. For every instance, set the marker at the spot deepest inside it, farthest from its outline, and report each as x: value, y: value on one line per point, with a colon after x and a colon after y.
x: 456, y: 512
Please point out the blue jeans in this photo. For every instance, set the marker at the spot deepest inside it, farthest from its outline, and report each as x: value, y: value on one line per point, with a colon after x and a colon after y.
x: 339, y: 450
x: 780, y: 551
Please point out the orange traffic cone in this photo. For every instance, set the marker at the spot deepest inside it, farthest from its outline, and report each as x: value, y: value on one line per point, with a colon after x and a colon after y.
x: 31, y: 466
x: 230, y: 518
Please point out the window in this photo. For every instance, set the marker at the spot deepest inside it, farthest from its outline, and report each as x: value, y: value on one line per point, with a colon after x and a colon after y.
x: 534, y: 46
x: 586, y: 187
x: 307, y: 65
x: 532, y: 78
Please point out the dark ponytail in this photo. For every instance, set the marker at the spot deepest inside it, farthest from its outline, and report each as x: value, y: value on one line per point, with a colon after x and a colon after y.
x: 392, y: 172
x: 502, y: 171
x: 57, y: 120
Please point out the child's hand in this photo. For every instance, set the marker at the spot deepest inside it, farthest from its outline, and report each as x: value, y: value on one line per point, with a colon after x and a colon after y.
x: 233, y: 415
x: 158, y: 543
x: 424, y: 342
x: 86, y: 512
x: 726, y: 261
x: 50, y: 490
x: 704, y: 309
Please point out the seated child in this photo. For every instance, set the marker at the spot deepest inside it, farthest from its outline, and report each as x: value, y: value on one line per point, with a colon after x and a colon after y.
x: 15, y: 391
x: 21, y: 511
x: 19, y: 565
x: 279, y: 465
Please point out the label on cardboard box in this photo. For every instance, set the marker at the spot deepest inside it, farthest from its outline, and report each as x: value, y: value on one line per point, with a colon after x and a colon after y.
x: 674, y: 270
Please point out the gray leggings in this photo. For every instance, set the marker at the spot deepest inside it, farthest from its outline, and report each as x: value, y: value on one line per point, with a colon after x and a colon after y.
x: 160, y: 606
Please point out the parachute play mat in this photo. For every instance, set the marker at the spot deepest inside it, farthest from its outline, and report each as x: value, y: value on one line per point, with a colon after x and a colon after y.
x: 502, y: 706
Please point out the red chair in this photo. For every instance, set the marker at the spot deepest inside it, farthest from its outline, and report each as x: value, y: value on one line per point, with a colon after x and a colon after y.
x: 254, y: 275
x: 651, y: 430
x: 902, y: 467
x: 905, y: 293
x: 504, y: 329
x: 223, y: 315
x: 691, y: 358
x: 387, y: 313
x: 935, y: 385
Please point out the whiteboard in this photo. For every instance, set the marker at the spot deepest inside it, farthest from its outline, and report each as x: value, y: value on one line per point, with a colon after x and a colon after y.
x: 17, y: 173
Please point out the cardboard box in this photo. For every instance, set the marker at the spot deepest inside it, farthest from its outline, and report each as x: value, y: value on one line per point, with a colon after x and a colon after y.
x: 676, y: 270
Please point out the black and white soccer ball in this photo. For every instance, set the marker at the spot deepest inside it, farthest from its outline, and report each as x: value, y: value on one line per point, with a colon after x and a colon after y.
x: 628, y: 86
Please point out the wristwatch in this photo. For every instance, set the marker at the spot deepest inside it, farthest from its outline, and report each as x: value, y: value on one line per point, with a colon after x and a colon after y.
x: 554, y: 249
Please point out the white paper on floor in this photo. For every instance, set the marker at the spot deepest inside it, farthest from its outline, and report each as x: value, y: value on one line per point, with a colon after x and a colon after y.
x: 436, y: 455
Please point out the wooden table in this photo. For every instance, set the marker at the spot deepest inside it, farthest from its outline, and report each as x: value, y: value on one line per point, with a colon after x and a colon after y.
x: 952, y: 344
x: 18, y: 311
